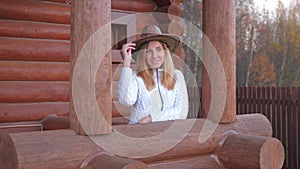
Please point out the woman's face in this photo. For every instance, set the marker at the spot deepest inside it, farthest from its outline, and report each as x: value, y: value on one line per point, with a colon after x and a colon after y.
x: 155, y: 55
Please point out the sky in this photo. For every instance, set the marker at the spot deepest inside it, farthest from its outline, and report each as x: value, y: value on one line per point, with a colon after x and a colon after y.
x: 270, y: 4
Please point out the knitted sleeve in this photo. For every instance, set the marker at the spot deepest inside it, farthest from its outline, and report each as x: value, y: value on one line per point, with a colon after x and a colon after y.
x: 127, y: 88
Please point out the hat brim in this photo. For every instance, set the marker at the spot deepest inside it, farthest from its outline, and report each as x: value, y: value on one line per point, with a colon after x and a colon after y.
x: 172, y: 41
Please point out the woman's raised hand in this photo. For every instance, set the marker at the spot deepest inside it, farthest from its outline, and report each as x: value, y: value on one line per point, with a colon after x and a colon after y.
x: 126, y: 53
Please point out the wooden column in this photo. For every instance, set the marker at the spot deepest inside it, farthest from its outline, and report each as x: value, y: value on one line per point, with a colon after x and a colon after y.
x: 219, y: 29
x: 88, y: 18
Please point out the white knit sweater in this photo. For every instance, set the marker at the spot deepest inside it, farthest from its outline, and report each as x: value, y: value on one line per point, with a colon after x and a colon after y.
x: 133, y: 92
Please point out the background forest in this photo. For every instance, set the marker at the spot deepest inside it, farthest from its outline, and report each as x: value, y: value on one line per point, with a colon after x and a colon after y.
x: 268, y: 43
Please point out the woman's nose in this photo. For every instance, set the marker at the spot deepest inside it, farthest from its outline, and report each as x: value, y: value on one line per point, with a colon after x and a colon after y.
x: 154, y: 54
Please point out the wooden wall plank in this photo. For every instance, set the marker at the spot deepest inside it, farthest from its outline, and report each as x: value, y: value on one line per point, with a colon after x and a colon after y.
x: 292, y: 122
x: 29, y: 29
x: 14, y: 112
x: 33, y: 91
x: 34, y: 71
x: 34, y: 49
x: 298, y: 128
x: 35, y: 11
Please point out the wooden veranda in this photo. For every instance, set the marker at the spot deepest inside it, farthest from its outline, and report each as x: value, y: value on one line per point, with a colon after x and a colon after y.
x: 41, y: 45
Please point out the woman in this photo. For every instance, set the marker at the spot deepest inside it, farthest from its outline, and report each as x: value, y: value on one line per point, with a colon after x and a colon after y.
x: 156, y: 91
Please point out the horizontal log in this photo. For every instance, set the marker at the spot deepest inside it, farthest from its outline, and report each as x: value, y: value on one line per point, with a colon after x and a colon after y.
x: 116, y: 70
x: 30, y: 91
x: 105, y: 161
x: 14, y: 112
x: 29, y: 29
x: 35, y: 11
x: 254, y: 124
x: 114, y: 86
x: 119, y: 120
x: 58, y: 1
x: 130, y: 5
x: 59, y: 148
x: 134, y: 5
x: 118, y: 110
x: 54, y: 122
x: 65, y: 143
x: 190, y: 163
x: 16, y: 127
x: 116, y: 56
x: 34, y: 49
x: 34, y: 71
x: 249, y: 152
x: 161, y: 3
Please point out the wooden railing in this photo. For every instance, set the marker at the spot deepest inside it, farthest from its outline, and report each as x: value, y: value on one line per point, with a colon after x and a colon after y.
x: 281, y: 105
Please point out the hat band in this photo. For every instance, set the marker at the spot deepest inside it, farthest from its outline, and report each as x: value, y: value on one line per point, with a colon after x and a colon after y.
x: 148, y: 34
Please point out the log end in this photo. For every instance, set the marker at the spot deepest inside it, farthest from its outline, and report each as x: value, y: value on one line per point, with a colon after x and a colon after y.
x: 246, y: 151
x: 54, y: 122
x: 272, y: 154
x: 8, y: 154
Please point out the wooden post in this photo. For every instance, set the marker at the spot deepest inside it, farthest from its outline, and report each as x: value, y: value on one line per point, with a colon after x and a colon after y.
x: 219, y: 28
x: 88, y: 18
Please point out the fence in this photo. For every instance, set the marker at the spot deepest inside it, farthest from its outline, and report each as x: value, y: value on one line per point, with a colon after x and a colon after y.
x: 281, y: 105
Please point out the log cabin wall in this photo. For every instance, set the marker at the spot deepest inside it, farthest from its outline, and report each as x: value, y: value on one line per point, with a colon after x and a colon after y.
x: 34, y: 62
x: 35, y: 55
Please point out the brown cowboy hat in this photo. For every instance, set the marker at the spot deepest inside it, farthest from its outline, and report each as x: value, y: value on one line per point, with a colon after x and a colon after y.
x: 153, y: 33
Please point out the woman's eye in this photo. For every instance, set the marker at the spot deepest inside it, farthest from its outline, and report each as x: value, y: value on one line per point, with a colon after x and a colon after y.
x: 148, y: 51
x: 158, y: 49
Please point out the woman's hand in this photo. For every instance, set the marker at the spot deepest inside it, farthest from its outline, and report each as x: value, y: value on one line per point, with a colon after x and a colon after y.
x: 126, y: 53
x: 146, y: 119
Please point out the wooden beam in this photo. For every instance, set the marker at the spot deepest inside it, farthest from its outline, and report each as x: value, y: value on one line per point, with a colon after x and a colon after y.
x: 14, y: 112
x: 59, y: 148
x: 11, y: 28
x: 34, y: 49
x: 242, y: 151
x: 105, y: 161
x: 134, y: 5
x: 31, y: 91
x: 203, y: 162
x: 35, y: 11
x: 88, y: 18
x: 34, y: 71
x: 63, y: 148
x: 219, y: 28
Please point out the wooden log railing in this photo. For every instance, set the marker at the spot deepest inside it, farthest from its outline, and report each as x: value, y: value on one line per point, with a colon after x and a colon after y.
x: 64, y: 144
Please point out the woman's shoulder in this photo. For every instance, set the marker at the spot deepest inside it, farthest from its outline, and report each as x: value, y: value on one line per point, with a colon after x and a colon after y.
x: 178, y: 73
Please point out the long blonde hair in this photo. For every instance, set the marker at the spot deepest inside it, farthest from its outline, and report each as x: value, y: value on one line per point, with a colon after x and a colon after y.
x: 146, y: 73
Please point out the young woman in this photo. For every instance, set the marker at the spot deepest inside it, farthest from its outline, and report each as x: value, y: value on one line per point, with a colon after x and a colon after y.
x: 156, y: 91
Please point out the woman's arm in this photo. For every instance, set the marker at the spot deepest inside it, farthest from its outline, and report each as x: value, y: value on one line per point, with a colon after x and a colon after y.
x: 127, y: 88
